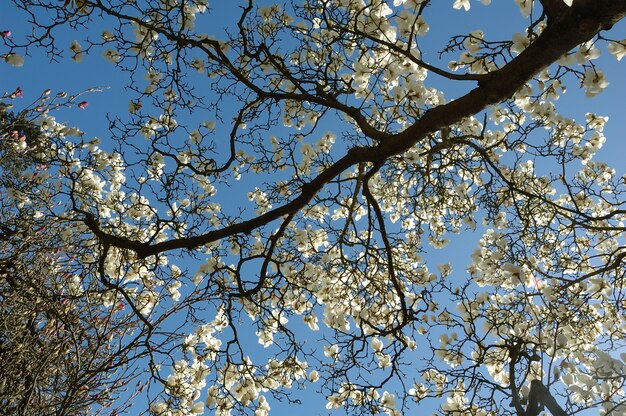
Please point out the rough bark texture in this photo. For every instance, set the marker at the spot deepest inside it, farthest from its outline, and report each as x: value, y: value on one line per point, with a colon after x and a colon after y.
x: 540, y: 397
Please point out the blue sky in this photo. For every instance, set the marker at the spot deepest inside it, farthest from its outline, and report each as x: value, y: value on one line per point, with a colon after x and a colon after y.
x: 39, y: 73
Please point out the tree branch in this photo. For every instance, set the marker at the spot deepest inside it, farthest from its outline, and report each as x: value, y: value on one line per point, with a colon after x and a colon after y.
x: 540, y: 396
x: 578, y: 24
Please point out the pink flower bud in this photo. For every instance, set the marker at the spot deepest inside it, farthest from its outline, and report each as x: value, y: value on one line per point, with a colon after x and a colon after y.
x: 83, y: 104
x: 6, y: 33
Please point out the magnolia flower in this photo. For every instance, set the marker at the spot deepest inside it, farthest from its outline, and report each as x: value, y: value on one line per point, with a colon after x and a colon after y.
x: 525, y: 6
x: 586, y: 52
x: 520, y: 42
x: 617, y: 49
x: 112, y: 55
x: 198, y: 65
x: 197, y: 408
x: 133, y: 106
x: 170, y: 95
x: 461, y: 3
x: 419, y: 391
x: 388, y: 400
x: 384, y: 360
x: 78, y: 51
x: 377, y: 344
x: 173, y: 289
x: 195, y: 137
x: 17, y: 93
x: 263, y: 408
x: 594, y: 82
x: 335, y: 401
x: 314, y: 376
x: 159, y: 408
x: 331, y: 351
x: 107, y: 36
x: 153, y: 76
x: 13, y: 59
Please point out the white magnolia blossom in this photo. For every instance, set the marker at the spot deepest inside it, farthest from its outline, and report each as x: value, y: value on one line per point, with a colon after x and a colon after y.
x: 313, y: 199
x: 617, y: 49
x: 112, y: 55
x: 465, y: 4
x: 14, y: 59
x: 77, y: 50
x: 594, y: 82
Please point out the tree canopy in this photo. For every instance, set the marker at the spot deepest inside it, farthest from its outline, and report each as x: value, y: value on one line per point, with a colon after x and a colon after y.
x: 273, y: 211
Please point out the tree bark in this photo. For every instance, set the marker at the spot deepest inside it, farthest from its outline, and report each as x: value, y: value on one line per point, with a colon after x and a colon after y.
x: 540, y: 397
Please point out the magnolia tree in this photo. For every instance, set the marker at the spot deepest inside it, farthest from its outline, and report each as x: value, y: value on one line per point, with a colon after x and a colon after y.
x: 270, y: 212
x: 61, y: 350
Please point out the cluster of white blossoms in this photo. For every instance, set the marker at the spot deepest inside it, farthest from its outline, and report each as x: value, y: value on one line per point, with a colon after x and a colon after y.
x: 347, y: 269
x: 261, y: 201
x: 243, y: 384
